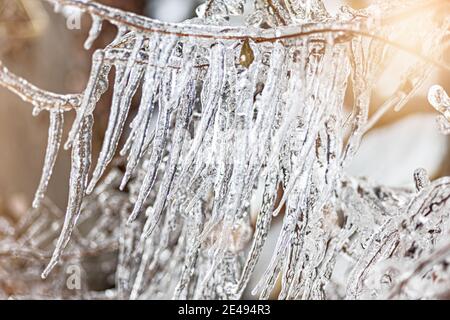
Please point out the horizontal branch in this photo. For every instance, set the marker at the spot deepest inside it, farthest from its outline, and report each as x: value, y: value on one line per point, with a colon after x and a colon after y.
x: 144, y: 24
x: 358, y: 26
x: 47, y: 100
x: 147, y: 25
x: 37, y: 97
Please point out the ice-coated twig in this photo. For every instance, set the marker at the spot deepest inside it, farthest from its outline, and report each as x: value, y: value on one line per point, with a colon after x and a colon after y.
x: 39, y: 98
x: 249, y: 114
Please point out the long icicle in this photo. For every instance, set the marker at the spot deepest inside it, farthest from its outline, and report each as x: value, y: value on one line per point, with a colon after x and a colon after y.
x: 185, y: 110
x: 91, y: 95
x: 123, y: 94
x: 81, y: 162
x: 55, y: 132
x: 141, y: 131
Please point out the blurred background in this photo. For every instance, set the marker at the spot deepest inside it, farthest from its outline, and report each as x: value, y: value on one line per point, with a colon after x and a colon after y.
x: 35, y: 43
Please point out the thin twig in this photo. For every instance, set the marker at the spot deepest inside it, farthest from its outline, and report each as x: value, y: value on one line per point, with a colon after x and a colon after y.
x: 38, y: 97
x: 148, y: 25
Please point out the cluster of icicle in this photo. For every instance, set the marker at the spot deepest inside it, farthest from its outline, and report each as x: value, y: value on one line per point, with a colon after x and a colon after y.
x: 230, y: 117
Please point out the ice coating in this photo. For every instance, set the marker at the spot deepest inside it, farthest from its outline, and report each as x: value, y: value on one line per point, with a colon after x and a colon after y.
x: 226, y: 111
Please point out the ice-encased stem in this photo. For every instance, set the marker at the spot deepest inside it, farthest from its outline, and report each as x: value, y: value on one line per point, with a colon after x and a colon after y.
x: 262, y: 227
x: 81, y: 162
x: 55, y: 132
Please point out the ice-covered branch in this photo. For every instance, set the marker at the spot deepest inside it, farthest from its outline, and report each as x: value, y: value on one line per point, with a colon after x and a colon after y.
x: 41, y: 99
x: 236, y: 125
x: 143, y: 24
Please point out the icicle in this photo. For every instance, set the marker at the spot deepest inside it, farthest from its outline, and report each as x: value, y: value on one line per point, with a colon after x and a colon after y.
x: 146, y: 105
x: 241, y: 131
x: 114, y: 112
x: 141, y: 134
x: 214, y: 87
x: 263, y: 222
x: 55, y: 132
x: 224, y: 238
x: 94, y: 90
x: 129, y: 248
x: 235, y: 113
x: 292, y: 258
x: 204, y: 184
x: 110, y: 146
x: 293, y: 110
x: 362, y: 77
x: 286, y: 241
x: 94, y: 32
x: 194, y: 226
x: 184, y: 113
x: 81, y: 161
x: 147, y: 255
x: 159, y: 143
x: 126, y: 86
x: 260, y: 133
x: 36, y: 110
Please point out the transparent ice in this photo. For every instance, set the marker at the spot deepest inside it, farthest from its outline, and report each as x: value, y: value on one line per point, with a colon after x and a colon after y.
x: 229, y: 115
